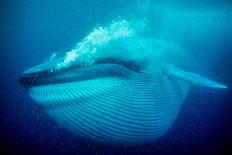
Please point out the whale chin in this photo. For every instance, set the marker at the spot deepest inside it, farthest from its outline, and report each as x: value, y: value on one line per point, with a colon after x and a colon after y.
x: 116, y: 106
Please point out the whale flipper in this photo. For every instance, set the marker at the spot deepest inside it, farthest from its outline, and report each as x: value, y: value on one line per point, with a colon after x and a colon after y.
x: 191, y: 77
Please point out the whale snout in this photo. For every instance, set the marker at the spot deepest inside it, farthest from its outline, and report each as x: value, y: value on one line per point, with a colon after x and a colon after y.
x: 46, y: 73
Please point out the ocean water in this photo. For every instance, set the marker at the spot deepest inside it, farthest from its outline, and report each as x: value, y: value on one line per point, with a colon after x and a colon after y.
x: 36, y: 31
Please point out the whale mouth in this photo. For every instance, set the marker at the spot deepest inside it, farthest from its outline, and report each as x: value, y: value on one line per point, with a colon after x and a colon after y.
x: 46, y: 73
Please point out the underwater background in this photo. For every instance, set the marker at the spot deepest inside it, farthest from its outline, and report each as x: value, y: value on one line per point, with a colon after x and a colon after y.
x: 32, y: 31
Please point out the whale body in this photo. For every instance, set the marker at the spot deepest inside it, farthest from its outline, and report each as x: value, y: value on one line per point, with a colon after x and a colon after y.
x: 130, y: 94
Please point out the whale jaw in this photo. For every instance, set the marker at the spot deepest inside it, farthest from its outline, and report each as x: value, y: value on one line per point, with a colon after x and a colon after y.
x: 134, y: 110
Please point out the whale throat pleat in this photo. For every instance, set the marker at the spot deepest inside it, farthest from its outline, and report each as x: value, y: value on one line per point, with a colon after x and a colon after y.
x: 115, y: 110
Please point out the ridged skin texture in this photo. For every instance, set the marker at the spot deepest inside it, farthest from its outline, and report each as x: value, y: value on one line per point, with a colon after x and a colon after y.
x: 136, y: 109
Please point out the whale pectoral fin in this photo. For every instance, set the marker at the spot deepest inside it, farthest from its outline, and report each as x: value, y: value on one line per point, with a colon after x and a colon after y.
x: 192, y: 78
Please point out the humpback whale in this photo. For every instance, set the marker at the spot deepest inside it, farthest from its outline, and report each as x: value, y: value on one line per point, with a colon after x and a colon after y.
x: 130, y: 93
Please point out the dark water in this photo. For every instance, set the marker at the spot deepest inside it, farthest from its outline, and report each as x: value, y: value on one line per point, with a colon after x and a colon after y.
x: 32, y: 30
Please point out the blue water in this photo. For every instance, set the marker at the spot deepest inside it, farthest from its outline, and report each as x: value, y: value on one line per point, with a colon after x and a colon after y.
x: 31, y: 31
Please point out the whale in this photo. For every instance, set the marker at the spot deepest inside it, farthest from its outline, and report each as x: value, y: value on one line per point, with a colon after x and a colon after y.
x: 131, y: 92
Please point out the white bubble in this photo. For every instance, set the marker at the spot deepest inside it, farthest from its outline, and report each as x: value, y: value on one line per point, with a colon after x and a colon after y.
x: 85, y: 50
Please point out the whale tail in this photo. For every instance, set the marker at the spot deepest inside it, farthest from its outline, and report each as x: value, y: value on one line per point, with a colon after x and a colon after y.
x: 191, y: 77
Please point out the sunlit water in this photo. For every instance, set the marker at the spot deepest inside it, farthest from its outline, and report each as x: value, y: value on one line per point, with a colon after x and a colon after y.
x: 33, y: 32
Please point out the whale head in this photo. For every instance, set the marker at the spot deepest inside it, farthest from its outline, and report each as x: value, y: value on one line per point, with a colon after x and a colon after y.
x: 128, y: 91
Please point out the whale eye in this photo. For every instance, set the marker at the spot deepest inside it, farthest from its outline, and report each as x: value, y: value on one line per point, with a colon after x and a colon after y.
x: 129, y: 64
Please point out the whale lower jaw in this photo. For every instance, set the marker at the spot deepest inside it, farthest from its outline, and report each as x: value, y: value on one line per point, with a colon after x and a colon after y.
x: 114, y: 110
